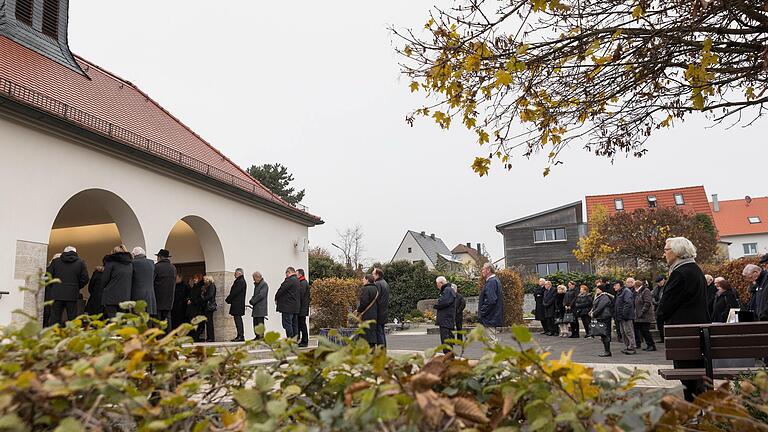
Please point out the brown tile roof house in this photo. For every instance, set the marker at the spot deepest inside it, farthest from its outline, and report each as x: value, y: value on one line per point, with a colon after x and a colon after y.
x: 472, y: 252
x: 692, y: 198
x: 101, y: 102
x: 741, y: 216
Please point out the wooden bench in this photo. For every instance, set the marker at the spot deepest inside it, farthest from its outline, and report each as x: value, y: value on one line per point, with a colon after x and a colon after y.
x: 709, y: 342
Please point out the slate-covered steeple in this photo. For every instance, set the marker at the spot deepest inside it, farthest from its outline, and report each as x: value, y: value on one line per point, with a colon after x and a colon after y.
x: 40, y: 25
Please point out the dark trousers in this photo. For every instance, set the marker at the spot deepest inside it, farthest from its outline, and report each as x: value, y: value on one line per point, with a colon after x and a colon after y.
x: 381, y: 335
x: 58, y: 307
x: 287, y: 321
x: 256, y: 322
x: 551, y: 326
x: 575, y: 326
x: 459, y: 336
x: 643, y: 331
x: 606, y: 339
x: 303, y: 331
x: 618, y: 329
x: 164, y: 315
x: 239, y: 326
x: 445, y: 334
x: 660, y: 326
x: 210, y: 335
x: 691, y: 388
x: 46, y: 315
x: 110, y: 311
x: 585, y: 320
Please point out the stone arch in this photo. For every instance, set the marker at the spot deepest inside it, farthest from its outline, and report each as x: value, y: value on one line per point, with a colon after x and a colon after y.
x: 210, y: 243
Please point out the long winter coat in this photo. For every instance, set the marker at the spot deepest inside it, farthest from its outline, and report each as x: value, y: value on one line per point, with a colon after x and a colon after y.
x: 491, y: 303
x: 685, y: 297
x: 538, y: 296
x: 143, y: 285
x: 207, y: 296
x: 644, y: 311
x: 446, y: 307
x: 461, y: 304
x: 236, y: 297
x: 179, y: 309
x: 722, y: 304
x: 195, y: 306
x: 582, y: 304
x: 570, y: 297
x: 625, y: 304
x: 550, y: 296
x: 758, y: 299
x: 383, y: 303
x: 95, y: 293
x: 259, y: 299
x: 559, y: 305
x: 118, y: 276
x: 367, y: 296
x: 602, y: 306
x: 287, y: 296
x: 72, y: 272
x: 304, y: 297
x: 165, y: 284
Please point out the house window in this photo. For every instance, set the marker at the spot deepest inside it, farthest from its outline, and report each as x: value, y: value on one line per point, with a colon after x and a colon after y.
x: 24, y: 11
x: 750, y: 248
x: 651, y: 201
x: 618, y: 203
x: 51, y: 18
x: 679, y: 199
x: 754, y: 219
x: 549, y: 235
x: 546, y: 269
x: 409, y: 250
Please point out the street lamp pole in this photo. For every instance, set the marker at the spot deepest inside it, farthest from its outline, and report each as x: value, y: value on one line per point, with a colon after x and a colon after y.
x: 349, y: 261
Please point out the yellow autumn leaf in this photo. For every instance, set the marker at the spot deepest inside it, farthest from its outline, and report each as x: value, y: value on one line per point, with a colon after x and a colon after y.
x: 503, y: 77
x: 637, y: 12
x: 482, y: 136
x: 127, y: 332
x: 481, y: 166
x: 414, y: 86
x: 407, y: 50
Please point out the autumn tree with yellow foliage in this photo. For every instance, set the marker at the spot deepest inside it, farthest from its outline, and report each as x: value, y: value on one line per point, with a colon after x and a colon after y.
x: 530, y: 76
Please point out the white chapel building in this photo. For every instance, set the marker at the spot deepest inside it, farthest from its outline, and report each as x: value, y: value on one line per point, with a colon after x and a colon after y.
x: 91, y: 161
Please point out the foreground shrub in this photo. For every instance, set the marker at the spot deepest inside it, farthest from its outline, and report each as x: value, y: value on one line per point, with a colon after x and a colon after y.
x: 332, y: 301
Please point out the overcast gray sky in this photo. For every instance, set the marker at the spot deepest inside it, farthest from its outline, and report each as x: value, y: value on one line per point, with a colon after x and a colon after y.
x: 315, y: 86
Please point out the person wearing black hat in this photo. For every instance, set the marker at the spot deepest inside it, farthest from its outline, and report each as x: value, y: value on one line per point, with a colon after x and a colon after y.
x: 657, y: 293
x: 165, y: 284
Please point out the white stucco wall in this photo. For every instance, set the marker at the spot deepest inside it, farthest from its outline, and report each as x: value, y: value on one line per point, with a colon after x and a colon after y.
x: 42, y: 171
x: 736, y: 249
x: 416, y: 253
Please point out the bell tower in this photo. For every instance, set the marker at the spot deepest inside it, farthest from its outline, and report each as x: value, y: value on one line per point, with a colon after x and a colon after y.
x: 40, y: 25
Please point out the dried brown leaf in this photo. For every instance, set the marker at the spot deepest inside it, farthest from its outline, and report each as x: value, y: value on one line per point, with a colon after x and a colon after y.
x: 470, y: 410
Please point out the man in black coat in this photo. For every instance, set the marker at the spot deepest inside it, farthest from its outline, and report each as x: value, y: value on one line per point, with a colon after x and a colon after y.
x: 366, y: 307
x: 568, y: 300
x: 73, y: 275
x: 236, y: 301
x: 548, y: 301
x: 287, y: 302
x: 143, y: 282
x: 118, y: 275
x: 658, y: 292
x: 181, y: 292
x: 538, y: 296
x: 304, y: 299
x: 383, y: 307
x: 758, y: 299
x: 165, y: 285
x: 446, y: 310
x: 259, y: 300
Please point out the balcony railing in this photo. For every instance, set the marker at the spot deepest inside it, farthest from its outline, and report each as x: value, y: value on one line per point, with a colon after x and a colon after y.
x: 89, y: 121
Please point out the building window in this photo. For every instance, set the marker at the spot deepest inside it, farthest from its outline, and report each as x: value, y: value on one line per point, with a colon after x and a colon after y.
x: 51, y: 18
x: 651, y: 201
x: 750, y: 248
x: 679, y: 199
x: 618, y: 203
x: 24, y: 11
x: 546, y: 269
x: 549, y: 235
x: 409, y: 250
x: 754, y: 219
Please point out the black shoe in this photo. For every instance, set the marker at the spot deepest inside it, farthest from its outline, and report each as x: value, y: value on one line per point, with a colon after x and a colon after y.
x: 650, y: 348
x: 303, y: 345
x: 605, y: 354
x: 573, y: 336
x: 238, y: 339
x: 629, y: 352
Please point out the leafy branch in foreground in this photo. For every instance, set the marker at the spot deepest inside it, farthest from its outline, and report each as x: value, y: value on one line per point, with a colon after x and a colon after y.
x: 603, y: 74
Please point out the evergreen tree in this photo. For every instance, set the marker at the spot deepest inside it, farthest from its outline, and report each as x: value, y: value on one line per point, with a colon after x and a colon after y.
x: 276, y: 178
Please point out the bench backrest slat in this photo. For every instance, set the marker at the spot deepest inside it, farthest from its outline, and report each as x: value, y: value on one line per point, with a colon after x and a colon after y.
x: 718, y: 353
x: 736, y: 340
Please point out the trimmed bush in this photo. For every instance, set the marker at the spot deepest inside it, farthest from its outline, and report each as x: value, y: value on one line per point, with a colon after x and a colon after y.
x: 332, y: 301
x: 512, y: 287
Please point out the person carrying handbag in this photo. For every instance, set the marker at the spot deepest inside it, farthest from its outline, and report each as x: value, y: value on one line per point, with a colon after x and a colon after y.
x: 602, y: 314
x: 367, y: 310
x: 209, y: 307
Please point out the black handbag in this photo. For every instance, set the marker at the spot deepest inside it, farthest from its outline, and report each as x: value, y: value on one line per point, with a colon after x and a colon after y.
x: 598, y: 328
x: 211, y: 306
x: 568, y: 318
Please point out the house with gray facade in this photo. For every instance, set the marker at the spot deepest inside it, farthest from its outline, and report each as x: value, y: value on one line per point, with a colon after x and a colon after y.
x: 543, y: 243
x: 418, y: 246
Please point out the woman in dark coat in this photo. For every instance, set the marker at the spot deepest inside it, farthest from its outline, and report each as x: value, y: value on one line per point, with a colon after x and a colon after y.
x: 685, y: 300
x: 367, y: 309
x: 725, y: 300
x: 117, y: 277
x: 644, y: 316
x: 194, y: 305
x: 563, y: 329
x: 208, y: 296
x: 602, y: 311
x: 180, y: 298
x: 581, y: 306
x: 95, y: 292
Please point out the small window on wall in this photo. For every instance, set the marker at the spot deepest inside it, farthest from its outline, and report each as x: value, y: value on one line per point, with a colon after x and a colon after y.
x: 548, y: 235
x: 24, y: 11
x: 546, y: 269
x: 51, y: 18
x: 618, y: 203
x: 651, y: 201
x: 409, y: 250
x: 679, y: 199
x: 750, y: 248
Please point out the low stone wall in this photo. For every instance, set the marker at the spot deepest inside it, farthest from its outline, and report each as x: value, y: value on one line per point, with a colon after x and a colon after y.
x: 427, y: 305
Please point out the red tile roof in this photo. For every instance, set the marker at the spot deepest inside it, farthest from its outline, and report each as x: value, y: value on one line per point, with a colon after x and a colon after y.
x: 117, y: 101
x: 733, y: 217
x: 695, y: 200
x: 462, y: 248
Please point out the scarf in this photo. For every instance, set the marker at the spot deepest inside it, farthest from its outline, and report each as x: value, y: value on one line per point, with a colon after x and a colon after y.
x: 680, y: 262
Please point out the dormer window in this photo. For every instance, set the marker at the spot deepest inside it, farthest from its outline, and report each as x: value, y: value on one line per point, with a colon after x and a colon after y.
x: 51, y: 18
x: 651, y: 201
x: 24, y: 11
x: 679, y: 199
x: 754, y: 219
x: 618, y: 203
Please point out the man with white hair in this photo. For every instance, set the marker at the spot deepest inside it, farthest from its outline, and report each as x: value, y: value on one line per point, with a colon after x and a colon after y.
x: 757, y: 292
x: 490, y: 308
x: 446, y: 310
x: 236, y: 301
x: 72, y: 274
x: 538, y: 297
x: 143, y: 280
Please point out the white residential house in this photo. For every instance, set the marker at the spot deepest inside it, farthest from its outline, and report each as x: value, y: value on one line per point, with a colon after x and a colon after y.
x: 742, y: 225
x: 429, y: 249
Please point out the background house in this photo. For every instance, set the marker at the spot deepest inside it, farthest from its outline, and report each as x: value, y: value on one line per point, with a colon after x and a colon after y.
x: 693, y: 199
x: 742, y: 224
x: 471, y: 258
x: 543, y: 243
x: 431, y: 250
